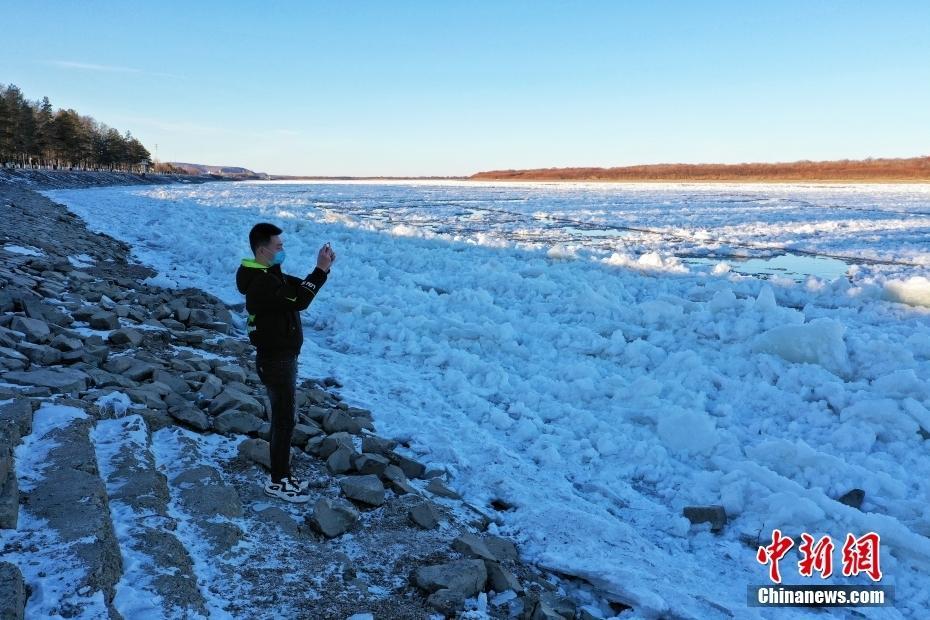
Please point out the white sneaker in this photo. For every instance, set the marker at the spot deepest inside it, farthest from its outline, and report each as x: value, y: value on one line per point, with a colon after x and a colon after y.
x: 287, y: 491
x: 297, y: 482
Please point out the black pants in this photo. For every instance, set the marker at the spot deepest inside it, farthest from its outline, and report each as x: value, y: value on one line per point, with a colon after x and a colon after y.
x: 279, y: 374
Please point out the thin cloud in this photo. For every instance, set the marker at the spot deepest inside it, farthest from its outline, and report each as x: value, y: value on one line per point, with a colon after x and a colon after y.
x: 89, y: 66
x: 190, y: 128
x: 69, y: 64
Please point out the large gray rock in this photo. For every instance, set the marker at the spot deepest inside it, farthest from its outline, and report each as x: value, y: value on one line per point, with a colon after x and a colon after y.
x: 502, y: 548
x: 95, y: 354
x: 551, y: 606
x: 303, y: 432
x: 125, y: 337
x: 370, y: 463
x: 63, y: 380
x: 193, y: 417
x: 103, y: 379
x: 447, y: 601
x: 119, y: 364
x: 40, y: 354
x: 397, y: 481
x: 338, y: 421
x: 234, y: 421
x: 853, y: 498
x: 230, y: 372
x: 200, y: 318
x: 378, y: 445
x: 500, y: 579
x: 45, y: 312
x: 140, y: 370
x: 180, y: 365
x: 12, y: 592
x: 12, y: 354
x: 64, y: 343
x: 715, y: 515
x: 424, y: 514
x: 84, y: 313
x: 471, y: 546
x: 211, y: 387
x: 333, y: 517
x: 313, y: 412
x: 333, y: 442
x: 16, y: 419
x: 467, y: 577
x: 177, y: 401
x: 36, y: 330
x: 365, y: 489
x: 104, y: 320
x: 176, y: 383
x: 234, y: 399
x: 437, y: 487
x: 148, y: 396
x: 256, y: 451
x: 340, y: 461
x: 412, y: 468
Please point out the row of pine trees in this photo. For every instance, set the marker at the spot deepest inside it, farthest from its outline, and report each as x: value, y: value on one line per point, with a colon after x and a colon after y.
x: 34, y: 135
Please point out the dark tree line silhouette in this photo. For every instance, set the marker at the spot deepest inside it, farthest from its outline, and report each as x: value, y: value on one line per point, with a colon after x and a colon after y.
x: 34, y: 135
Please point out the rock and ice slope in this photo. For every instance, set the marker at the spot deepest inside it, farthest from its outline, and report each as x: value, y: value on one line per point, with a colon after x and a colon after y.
x: 99, y: 517
x: 599, y: 400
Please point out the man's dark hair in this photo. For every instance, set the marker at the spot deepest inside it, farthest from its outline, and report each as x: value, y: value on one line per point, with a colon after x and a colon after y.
x: 261, y: 234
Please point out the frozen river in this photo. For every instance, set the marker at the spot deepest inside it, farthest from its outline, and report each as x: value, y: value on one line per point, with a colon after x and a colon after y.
x: 598, y: 357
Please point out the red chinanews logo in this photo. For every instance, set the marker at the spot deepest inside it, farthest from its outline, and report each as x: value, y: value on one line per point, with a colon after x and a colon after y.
x: 860, y: 555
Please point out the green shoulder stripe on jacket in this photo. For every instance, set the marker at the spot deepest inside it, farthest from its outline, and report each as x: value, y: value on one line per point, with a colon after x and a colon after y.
x: 248, y: 262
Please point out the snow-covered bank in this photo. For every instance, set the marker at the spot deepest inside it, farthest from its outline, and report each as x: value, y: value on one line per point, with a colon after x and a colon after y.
x: 596, y: 399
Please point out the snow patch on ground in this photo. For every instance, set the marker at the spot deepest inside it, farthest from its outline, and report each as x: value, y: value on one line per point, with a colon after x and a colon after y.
x: 116, y: 403
x: 25, y: 251
x: 81, y: 261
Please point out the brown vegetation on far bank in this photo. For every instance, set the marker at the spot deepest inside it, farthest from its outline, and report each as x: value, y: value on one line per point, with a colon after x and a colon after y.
x: 912, y: 169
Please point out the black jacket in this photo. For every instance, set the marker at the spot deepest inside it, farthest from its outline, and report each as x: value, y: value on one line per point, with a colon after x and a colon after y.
x: 273, y: 301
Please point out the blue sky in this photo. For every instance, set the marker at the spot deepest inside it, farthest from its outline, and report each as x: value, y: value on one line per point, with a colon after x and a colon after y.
x: 451, y: 88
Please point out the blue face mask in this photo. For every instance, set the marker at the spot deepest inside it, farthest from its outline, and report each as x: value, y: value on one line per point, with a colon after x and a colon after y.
x: 278, y: 258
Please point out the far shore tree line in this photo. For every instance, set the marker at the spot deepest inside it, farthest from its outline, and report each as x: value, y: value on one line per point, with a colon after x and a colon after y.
x: 34, y: 135
x: 872, y: 169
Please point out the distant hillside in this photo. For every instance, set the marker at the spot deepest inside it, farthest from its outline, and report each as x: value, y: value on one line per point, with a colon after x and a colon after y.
x: 868, y: 170
x: 226, y: 171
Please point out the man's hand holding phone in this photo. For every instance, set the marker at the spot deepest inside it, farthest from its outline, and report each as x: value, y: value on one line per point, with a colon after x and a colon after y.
x: 326, y: 257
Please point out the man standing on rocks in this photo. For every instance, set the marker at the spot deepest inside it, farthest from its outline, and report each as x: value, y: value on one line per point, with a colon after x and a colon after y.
x: 274, y: 300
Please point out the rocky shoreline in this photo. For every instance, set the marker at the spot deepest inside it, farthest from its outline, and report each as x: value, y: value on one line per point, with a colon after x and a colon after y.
x: 133, y: 441
x: 37, y: 178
